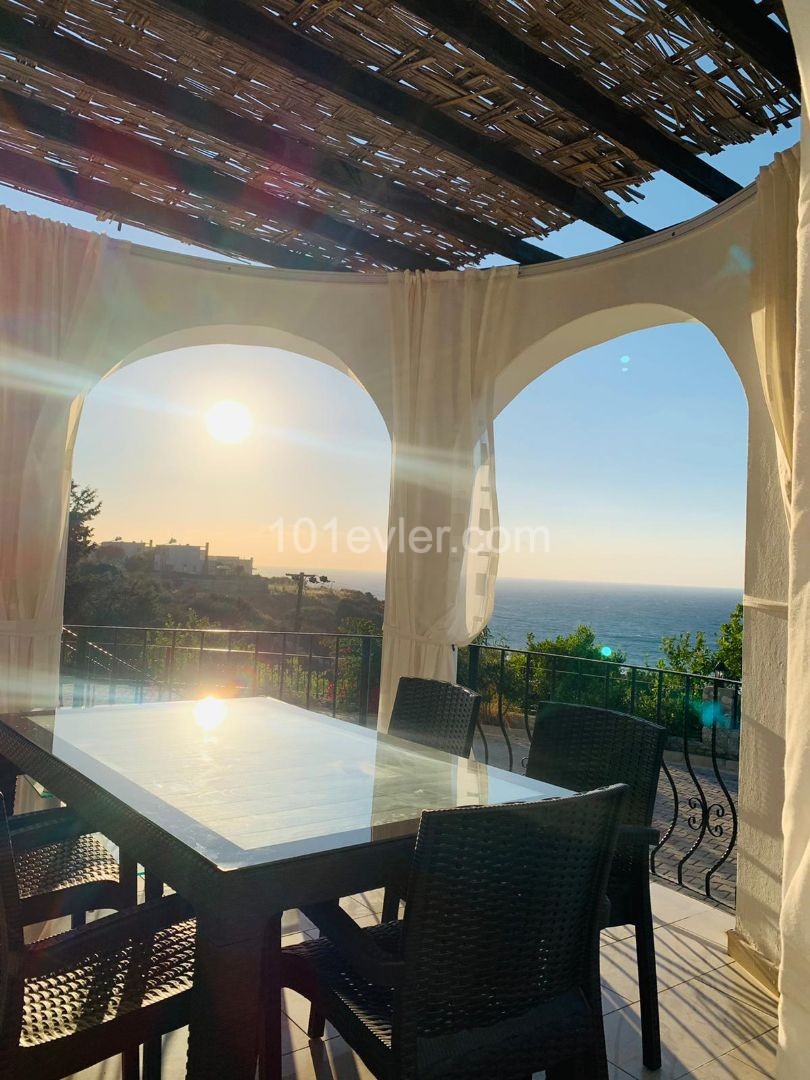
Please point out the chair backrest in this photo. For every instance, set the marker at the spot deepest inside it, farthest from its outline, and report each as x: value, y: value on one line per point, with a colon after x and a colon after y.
x: 501, y: 934
x: 11, y: 951
x: 581, y: 748
x: 437, y: 714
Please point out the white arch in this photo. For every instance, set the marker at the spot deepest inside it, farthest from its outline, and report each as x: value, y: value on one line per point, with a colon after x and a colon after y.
x: 266, y: 337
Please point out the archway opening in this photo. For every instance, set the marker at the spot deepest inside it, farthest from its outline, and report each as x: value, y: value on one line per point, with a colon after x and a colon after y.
x: 622, y: 476
x: 221, y: 482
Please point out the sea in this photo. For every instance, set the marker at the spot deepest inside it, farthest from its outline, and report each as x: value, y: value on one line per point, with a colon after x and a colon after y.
x: 632, y: 618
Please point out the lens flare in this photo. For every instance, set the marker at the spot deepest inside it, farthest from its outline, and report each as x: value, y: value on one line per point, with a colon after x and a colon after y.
x: 209, y: 713
x: 229, y: 422
x: 606, y: 652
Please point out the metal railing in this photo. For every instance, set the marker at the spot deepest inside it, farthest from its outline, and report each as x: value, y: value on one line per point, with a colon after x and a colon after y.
x: 340, y: 674
x: 334, y: 673
x: 696, y: 808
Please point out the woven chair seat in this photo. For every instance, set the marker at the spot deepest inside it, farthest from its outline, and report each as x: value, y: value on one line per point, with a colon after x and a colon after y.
x: 107, y: 982
x: 83, y: 860
x: 363, y: 1005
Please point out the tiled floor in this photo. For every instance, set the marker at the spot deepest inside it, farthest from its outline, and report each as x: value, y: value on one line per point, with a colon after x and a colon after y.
x: 715, y: 1023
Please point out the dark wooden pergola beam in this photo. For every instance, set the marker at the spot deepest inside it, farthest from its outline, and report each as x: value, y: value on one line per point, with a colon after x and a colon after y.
x: 179, y: 171
x: 99, y: 69
x: 94, y: 197
x: 747, y: 26
x: 467, y: 22
x: 303, y: 58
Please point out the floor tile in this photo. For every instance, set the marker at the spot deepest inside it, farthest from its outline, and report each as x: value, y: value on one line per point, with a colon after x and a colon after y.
x: 294, y: 922
x: 612, y: 1000
x: 759, y: 1053
x: 330, y: 1060
x: 672, y: 905
x: 680, y: 955
x: 744, y: 990
x: 711, y: 923
x: 617, y: 933
x: 701, y: 1020
x: 724, y: 1068
x: 296, y: 1008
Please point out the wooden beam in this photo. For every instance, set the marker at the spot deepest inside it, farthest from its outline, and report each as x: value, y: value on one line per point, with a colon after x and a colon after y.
x: 98, y: 68
x: 94, y: 197
x: 304, y: 58
x: 178, y: 171
x: 747, y: 26
x: 467, y: 22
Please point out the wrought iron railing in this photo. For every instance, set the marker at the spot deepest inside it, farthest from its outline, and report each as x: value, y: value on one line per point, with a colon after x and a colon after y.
x: 340, y: 674
x: 696, y: 809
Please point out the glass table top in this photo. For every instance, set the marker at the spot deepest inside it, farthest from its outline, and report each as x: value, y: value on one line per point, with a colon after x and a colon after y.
x: 254, y: 780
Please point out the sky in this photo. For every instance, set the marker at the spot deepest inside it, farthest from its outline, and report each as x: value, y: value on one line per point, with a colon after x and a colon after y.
x: 631, y: 455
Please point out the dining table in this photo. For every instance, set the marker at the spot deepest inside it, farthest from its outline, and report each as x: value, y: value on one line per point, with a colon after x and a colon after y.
x: 247, y: 807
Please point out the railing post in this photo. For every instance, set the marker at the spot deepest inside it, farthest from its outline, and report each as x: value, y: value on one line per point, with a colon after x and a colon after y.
x: 254, y: 684
x: 633, y: 690
x: 364, y: 687
x: 113, y: 681
x: 83, y: 666
x: 283, y: 667
x: 336, y: 676
x: 144, y: 655
x: 309, y: 672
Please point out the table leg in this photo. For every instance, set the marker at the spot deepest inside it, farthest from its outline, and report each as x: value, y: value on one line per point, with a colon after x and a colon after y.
x: 8, y: 784
x: 226, y: 1029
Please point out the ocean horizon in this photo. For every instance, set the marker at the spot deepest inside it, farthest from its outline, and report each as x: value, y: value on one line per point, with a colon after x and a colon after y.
x: 632, y: 618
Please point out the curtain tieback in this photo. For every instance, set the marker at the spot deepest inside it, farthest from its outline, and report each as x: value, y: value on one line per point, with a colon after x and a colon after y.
x: 30, y: 627
x: 777, y: 608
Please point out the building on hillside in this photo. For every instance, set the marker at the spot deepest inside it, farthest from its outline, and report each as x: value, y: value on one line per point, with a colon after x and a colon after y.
x: 179, y: 559
x: 229, y: 566
x: 120, y: 550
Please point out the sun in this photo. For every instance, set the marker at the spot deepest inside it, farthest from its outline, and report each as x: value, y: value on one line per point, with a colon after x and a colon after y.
x: 229, y: 422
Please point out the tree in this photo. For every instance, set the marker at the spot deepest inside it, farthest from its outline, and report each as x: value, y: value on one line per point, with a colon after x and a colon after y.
x: 85, y: 507
x: 681, y: 653
x: 728, y: 657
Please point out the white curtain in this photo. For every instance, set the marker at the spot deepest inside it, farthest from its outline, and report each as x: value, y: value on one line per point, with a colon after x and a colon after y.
x: 773, y: 313
x: 47, y: 272
x: 450, y: 338
x: 794, y: 1007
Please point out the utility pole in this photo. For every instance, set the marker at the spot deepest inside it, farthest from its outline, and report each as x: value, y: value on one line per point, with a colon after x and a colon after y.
x: 302, y: 577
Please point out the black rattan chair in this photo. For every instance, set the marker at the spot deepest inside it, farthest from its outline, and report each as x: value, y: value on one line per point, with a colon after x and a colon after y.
x: 436, y: 714
x: 439, y: 715
x: 494, y: 970
x: 62, y: 868
x: 579, y: 747
x: 71, y: 1001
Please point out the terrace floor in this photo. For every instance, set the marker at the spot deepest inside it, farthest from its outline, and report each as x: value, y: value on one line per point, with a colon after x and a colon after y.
x: 716, y: 1024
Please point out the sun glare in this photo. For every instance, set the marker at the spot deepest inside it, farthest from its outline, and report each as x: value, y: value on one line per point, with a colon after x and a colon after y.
x: 209, y: 713
x: 229, y: 422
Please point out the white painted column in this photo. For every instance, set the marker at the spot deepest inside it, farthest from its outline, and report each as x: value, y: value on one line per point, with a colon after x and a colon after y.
x: 794, y: 1010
